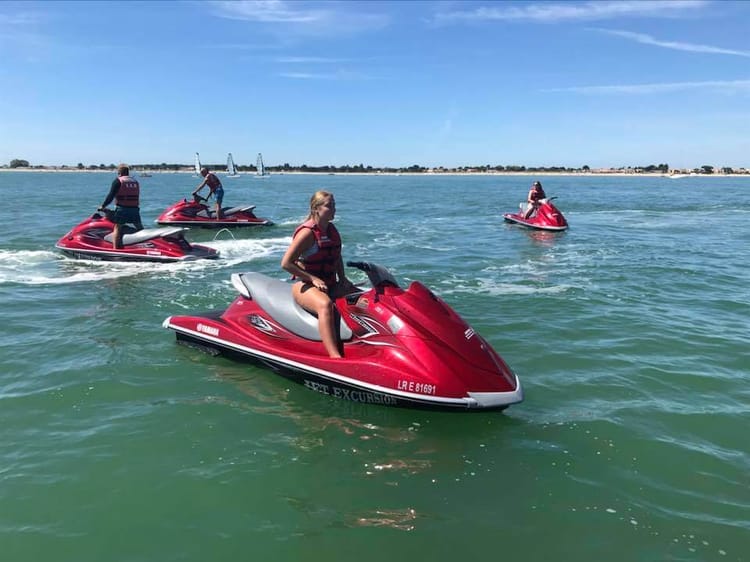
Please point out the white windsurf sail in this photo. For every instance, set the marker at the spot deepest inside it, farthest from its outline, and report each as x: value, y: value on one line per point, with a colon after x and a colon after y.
x: 197, y: 165
x: 260, y: 168
x: 231, y: 170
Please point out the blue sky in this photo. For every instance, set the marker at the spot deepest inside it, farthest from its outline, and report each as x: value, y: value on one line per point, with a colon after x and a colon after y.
x: 380, y: 83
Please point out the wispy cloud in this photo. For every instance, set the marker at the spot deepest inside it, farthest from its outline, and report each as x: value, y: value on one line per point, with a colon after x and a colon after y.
x: 676, y: 45
x: 302, y: 17
x: 310, y: 60
x: 267, y: 11
x: 719, y: 86
x: 20, y: 36
x: 338, y: 75
x: 250, y: 47
x: 307, y: 76
x: 20, y: 18
x: 544, y: 12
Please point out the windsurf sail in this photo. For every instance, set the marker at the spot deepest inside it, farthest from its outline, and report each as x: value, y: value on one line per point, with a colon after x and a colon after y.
x: 231, y: 170
x: 260, y: 168
x: 197, y: 165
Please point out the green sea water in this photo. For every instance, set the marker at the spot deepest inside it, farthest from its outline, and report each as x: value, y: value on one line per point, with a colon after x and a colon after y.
x: 630, y: 333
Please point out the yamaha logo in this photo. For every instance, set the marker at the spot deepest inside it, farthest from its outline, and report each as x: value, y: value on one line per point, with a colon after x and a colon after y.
x: 469, y: 333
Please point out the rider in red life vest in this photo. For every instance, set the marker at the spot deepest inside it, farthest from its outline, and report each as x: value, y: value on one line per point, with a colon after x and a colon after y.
x: 125, y: 192
x: 314, y: 259
x: 323, y: 256
x: 214, y: 188
x: 536, y: 194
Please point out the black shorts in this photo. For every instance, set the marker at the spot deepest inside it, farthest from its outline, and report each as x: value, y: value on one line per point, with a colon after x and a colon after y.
x: 126, y: 215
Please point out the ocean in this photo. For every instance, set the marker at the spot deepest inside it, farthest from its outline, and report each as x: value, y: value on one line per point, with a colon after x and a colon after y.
x: 630, y: 333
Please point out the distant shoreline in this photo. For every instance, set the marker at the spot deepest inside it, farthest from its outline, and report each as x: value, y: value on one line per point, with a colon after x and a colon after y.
x: 597, y: 173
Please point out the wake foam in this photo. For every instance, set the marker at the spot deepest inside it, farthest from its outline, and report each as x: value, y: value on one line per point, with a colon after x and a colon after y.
x: 43, y: 267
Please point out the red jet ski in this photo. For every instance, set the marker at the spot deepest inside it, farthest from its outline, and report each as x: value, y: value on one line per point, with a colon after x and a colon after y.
x: 546, y: 217
x: 401, y: 347
x: 93, y: 238
x: 197, y: 214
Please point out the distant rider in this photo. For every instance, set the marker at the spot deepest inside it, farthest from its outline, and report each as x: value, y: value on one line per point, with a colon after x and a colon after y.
x: 125, y: 192
x: 215, y: 188
x: 536, y: 194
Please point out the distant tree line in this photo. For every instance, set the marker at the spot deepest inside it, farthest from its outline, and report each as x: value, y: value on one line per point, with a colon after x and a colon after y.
x: 361, y: 168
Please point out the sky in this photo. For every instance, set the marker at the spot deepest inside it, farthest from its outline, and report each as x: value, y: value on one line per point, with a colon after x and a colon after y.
x: 432, y: 83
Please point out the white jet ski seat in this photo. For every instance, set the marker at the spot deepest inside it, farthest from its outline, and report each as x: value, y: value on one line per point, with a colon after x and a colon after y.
x: 146, y: 234
x: 275, y: 297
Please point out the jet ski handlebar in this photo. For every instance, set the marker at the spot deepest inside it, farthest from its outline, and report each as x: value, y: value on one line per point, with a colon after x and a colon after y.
x: 377, y: 274
x: 108, y: 213
x: 363, y: 265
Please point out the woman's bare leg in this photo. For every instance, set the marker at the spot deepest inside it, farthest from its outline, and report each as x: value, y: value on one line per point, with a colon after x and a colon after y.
x: 320, y: 303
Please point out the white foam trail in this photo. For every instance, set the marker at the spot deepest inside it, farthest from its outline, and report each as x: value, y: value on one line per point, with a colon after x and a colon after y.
x: 290, y: 222
x: 494, y: 288
x: 237, y: 251
x: 26, y: 266
x: 10, y: 259
x: 43, y: 267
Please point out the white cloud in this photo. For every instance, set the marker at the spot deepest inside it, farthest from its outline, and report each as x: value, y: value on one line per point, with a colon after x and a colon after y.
x: 306, y: 76
x: 597, y: 10
x: 300, y: 17
x: 719, y: 86
x: 242, y: 46
x: 20, y: 37
x: 309, y: 60
x: 338, y: 75
x: 676, y: 45
x: 21, y: 18
x: 267, y: 11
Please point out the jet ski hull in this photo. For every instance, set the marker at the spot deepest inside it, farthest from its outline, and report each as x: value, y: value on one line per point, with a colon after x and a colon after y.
x: 92, y: 240
x: 195, y: 214
x: 546, y: 217
x: 428, y: 359
x: 155, y: 255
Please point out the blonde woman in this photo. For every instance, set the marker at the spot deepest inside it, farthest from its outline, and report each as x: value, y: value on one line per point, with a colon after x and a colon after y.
x: 314, y: 259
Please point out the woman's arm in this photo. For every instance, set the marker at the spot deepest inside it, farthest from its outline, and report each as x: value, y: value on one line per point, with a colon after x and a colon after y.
x: 303, y: 241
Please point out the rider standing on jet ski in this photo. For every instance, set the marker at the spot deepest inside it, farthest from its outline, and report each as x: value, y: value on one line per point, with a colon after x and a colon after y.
x: 215, y: 189
x: 314, y: 258
x: 536, y: 194
x: 125, y: 191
